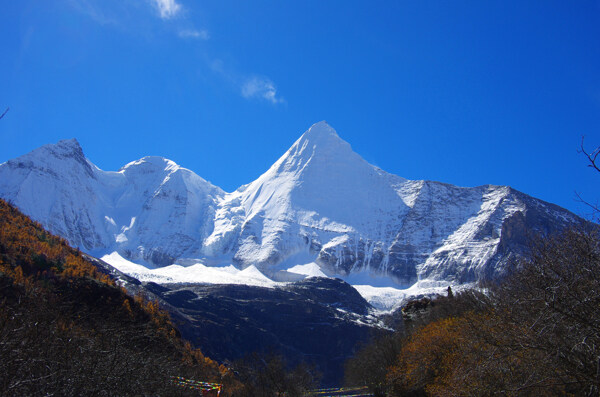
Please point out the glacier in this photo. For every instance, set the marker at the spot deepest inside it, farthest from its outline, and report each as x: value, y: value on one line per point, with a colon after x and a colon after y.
x: 319, y: 210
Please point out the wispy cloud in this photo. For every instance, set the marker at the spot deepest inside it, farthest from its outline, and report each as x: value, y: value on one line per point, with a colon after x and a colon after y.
x: 261, y: 88
x: 94, y: 11
x: 171, y: 8
x: 252, y: 88
x: 124, y: 14
x: 194, y: 34
x: 167, y: 8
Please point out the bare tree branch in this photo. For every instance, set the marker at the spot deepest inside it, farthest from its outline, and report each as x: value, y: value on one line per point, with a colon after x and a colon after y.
x: 591, y: 156
x: 6, y: 111
x: 594, y: 162
x: 594, y: 207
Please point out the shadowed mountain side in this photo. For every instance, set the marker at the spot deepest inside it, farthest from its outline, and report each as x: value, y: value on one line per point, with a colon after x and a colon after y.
x: 318, y: 321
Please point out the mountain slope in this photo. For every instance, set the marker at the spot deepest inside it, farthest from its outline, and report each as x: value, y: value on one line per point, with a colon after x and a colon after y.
x: 319, y: 203
x: 67, y: 329
x: 96, y: 210
x: 318, y: 321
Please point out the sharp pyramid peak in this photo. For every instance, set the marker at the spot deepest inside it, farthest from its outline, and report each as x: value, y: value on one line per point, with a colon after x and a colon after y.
x: 58, y: 157
x: 320, y: 147
x: 320, y: 131
x: 321, y: 137
x: 61, y: 149
x: 66, y: 145
x: 321, y: 128
x: 69, y: 143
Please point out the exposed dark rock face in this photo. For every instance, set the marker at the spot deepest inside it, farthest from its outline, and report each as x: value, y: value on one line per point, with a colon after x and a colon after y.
x: 318, y: 321
x: 315, y: 321
x: 333, y: 293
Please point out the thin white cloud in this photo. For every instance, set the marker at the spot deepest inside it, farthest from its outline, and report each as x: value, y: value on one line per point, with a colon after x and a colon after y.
x: 262, y: 88
x: 124, y: 14
x: 167, y: 8
x: 93, y: 10
x: 194, y: 34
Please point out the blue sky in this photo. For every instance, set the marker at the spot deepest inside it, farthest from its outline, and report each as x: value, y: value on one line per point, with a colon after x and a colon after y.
x: 463, y: 92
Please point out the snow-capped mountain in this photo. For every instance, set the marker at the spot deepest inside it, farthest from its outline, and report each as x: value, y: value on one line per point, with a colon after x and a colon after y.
x: 319, y: 204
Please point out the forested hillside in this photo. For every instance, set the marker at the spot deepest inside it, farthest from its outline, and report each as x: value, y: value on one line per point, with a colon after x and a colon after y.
x: 536, y: 334
x: 67, y: 329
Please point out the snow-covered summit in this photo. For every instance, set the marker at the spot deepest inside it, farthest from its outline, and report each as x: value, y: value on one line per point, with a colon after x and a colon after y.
x: 67, y: 151
x: 320, y: 143
x: 152, y: 164
x: 64, y: 147
x: 320, y: 204
x: 323, y: 135
x: 319, y: 188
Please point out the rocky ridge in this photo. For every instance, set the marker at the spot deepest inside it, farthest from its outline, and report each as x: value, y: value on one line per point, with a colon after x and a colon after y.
x: 319, y: 203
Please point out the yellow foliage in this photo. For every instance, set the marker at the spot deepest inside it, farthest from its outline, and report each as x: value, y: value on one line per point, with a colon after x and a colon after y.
x: 26, y: 245
x: 127, y: 307
x: 429, y: 356
x: 31, y: 256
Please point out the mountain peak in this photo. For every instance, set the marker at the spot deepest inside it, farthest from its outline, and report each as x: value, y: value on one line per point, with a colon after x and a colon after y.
x: 322, y: 134
x: 320, y: 130
x: 64, y: 149
x: 67, y: 147
x: 322, y: 173
x: 321, y: 140
x: 73, y: 143
x: 319, y: 144
x: 152, y: 164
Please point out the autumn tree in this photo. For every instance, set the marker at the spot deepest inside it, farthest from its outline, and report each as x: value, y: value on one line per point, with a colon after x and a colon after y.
x: 538, y: 333
x: 370, y: 365
x: 67, y: 329
x: 373, y: 362
x: 269, y: 375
